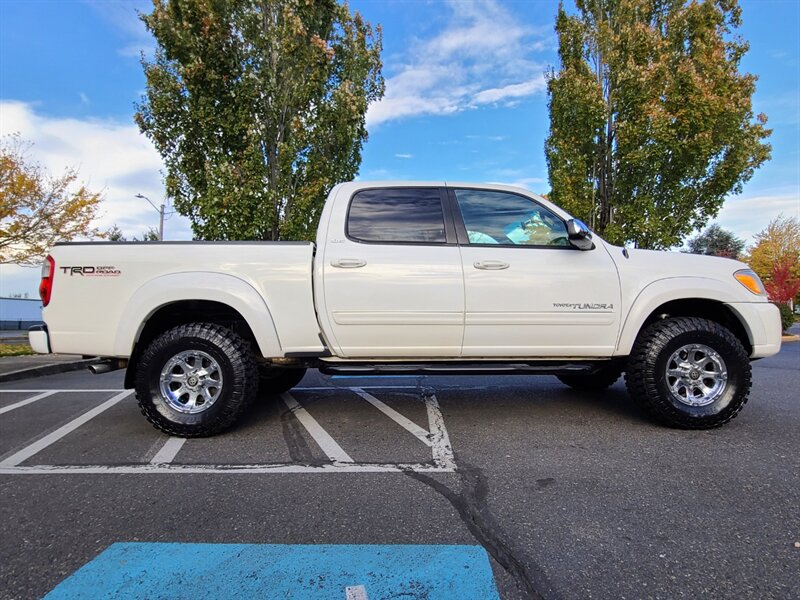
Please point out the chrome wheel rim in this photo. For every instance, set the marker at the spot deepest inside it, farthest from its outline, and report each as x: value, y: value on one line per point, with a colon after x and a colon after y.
x: 191, y: 381
x: 696, y: 375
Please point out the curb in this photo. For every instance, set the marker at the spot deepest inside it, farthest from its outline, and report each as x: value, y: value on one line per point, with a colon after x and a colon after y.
x: 790, y: 338
x: 53, y: 369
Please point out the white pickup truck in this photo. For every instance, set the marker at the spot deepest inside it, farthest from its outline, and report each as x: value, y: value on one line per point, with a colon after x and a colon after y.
x: 410, y: 278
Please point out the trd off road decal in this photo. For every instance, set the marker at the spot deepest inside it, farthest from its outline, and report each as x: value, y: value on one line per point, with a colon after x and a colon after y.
x: 583, y: 306
x: 92, y: 271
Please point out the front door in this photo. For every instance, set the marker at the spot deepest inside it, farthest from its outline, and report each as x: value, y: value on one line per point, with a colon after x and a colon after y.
x: 528, y: 292
x: 394, y: 284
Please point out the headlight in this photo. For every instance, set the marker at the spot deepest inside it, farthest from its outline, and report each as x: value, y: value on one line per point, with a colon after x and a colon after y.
x: 751, y: 281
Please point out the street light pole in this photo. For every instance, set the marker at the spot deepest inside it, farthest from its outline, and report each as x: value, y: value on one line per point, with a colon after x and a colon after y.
x: 160, y: 213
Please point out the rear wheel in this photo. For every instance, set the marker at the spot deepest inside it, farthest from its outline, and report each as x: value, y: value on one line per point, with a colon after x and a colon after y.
x: 602, y: 379
x: 275, y: 380
x: 689, y: 373
x: 196, y: 380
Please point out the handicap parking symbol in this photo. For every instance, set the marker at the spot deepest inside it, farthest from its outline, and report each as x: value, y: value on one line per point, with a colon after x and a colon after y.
x: 275, y: 571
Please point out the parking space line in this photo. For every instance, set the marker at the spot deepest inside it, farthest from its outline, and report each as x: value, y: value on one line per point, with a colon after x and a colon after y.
x: 407, y: 424
x: 323, y: 439
x: 27, y: 401
x: 168, y: 451
x: 436, y: 438
x: 442, y: 449
x: 53, y: 437
x: 11, y: 391
x: 257, y: 469
x: 333, y: 388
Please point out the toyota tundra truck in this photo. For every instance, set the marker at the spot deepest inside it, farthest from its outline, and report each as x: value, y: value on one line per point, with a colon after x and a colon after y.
x: 426, y: 278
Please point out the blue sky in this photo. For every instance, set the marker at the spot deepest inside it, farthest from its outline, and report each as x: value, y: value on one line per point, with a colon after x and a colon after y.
x: 465, y: 100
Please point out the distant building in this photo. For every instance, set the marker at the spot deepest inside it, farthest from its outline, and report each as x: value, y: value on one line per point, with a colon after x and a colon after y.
x: 20, y: 313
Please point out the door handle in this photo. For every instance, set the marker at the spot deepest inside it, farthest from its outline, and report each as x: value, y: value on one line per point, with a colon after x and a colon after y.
x: 491, y: 265
x: 348, y: 263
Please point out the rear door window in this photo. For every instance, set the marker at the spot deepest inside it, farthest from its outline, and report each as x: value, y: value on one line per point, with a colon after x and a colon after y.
x: 402, y: 215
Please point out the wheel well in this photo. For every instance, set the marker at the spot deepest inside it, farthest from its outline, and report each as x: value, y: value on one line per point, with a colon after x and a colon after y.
x: 704, y: 309
x: 180, y: 313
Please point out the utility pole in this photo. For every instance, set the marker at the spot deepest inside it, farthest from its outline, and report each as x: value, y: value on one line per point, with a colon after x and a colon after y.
x: 160, y: 213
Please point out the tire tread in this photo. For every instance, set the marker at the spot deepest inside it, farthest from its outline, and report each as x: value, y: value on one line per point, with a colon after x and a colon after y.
x: 245, y: 379
x: 640, y: 374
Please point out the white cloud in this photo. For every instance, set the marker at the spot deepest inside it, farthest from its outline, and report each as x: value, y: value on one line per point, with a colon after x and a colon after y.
x: 404, y: 155
x: 528, y: 183
x: 514, y: 90
x: 111, y: 156
x: 484, y: 56
x: 124, y: 17
x: 746, y: 216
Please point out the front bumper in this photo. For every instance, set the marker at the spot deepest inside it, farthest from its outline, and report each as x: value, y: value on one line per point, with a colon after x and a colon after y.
x: 39, y: 339
x: 763, y: 323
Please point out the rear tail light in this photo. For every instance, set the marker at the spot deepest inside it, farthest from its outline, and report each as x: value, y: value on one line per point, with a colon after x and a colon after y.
x: 46, y: 286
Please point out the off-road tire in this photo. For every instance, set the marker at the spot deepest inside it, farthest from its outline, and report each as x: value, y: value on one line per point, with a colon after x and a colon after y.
x: 275, y: 380
x: 239, y: 384
x: 646, y: 378
x: 598, y: 381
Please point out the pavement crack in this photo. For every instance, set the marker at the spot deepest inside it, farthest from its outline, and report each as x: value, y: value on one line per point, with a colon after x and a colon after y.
x: 471, y: 505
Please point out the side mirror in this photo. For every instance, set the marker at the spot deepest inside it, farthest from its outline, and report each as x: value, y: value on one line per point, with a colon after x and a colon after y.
x: 579, y: 234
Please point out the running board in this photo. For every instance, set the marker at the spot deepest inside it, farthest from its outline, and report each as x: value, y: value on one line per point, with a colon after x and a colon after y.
x: 456, y: 368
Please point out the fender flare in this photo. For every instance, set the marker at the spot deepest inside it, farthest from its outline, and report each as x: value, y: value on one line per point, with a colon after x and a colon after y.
x: 666, y: 290
x: 179, y: 287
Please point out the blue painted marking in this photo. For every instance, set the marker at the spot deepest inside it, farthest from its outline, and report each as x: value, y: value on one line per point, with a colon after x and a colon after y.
x: 300, y: 572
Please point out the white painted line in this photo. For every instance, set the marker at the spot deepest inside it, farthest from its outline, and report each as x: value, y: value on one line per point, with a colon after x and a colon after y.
x: 407, y: 424
x: 442, y: 449
x: 62, y: 391
x: 221, y: 469
x: 355, y: 592
x: 53, y: 437
x: 168, y: 451
x: 324, y: 440
x: 367, y: 387
x: 27, y: 401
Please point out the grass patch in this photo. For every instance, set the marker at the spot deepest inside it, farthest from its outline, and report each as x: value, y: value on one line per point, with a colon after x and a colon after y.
x: 15, y: 350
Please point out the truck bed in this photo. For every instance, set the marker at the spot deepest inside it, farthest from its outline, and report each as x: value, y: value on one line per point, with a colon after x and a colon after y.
x: 116, y: 285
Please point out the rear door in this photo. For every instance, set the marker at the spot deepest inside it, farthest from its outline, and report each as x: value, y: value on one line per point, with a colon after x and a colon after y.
x: 529, y: 293
x: 393, y: 279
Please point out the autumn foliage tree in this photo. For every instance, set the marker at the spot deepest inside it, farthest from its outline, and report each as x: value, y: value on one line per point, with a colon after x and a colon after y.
x: 782, y: 286
x: 775, y: 257
x: 37, y: 209
x: 258, y: 109
x: 651, y: 122
x: 778, y: 243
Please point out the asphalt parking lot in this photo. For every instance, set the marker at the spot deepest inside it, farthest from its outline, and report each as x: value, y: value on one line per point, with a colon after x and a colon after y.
x: 404, y: 487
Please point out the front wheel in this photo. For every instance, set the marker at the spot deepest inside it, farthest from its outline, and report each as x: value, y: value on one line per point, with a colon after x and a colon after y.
x: 196, y: 380
x: 689, y: 373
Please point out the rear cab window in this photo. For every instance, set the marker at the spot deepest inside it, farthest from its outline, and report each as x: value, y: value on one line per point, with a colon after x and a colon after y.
x: 397, y: 215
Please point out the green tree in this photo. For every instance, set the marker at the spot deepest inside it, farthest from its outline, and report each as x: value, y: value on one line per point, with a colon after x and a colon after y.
x: 651, y: 123
x: 151, y: 235
x: 258, y: 108
x: 38, y: 209
x: 115, y: 234
x: 716, y: 241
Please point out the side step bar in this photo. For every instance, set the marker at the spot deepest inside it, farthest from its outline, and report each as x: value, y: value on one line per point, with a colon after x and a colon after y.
x: 460, y: 368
